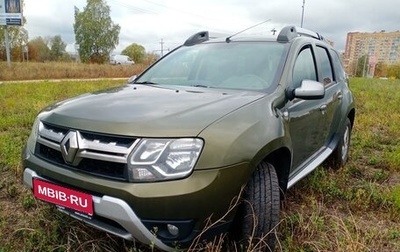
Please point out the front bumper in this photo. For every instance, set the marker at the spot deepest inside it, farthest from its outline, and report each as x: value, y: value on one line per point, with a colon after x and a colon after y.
x: 136, y: 208
x: 113, y: 209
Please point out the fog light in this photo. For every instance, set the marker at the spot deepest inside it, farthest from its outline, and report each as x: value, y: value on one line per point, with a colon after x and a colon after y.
x: 173, y: 230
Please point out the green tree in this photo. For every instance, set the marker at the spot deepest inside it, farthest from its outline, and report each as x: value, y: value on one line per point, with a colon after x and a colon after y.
x: 135, y: 52
x: 362, y: 66
x: 57, y: 48
x: 95, y: 33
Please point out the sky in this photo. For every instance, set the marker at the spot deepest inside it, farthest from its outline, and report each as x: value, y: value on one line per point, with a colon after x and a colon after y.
x: 157, y: 24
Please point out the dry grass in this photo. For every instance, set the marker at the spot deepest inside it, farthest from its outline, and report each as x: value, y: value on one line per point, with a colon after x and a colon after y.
x: 60, y: 70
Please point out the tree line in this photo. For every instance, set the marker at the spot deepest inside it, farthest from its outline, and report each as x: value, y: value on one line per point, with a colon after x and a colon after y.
x: 96, y: 36
x: 363, y: 69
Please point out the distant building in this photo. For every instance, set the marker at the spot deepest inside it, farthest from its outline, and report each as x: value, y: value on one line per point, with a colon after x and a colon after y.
x: 381, y: 47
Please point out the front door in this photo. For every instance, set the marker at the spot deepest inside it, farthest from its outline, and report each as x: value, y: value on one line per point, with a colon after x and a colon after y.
x: 307, y: 118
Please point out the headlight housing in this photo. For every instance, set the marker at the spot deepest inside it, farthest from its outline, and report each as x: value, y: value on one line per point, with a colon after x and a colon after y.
x: 31, y: 143
x: 163, y: 159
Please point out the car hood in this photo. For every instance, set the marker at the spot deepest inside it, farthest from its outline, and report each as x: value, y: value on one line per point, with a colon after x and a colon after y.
x: 147, y: 110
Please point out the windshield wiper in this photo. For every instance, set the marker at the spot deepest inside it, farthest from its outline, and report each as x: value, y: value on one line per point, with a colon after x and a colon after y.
x: 144, y: 82
x: 199, y: 85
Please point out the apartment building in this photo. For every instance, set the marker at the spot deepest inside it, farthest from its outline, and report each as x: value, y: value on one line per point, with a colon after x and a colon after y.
x: 383, y: 47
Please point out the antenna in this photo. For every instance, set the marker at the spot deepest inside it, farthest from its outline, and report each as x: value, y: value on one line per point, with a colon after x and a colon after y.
x: 302, y: 13
x: 228, y: 39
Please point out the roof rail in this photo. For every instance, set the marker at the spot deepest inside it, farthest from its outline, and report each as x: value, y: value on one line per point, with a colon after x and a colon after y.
x: 290, y: 32
x: 197, y: 38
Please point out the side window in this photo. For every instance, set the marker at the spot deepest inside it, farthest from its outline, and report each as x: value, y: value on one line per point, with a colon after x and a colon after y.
x: 337, y: 63
x: 325, y: 65
x: 304, y: 68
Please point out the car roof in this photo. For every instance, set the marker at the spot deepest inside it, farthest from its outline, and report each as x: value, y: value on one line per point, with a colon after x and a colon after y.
x: 287, y: 34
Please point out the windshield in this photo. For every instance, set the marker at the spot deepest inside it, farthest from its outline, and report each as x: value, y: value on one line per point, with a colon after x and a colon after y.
x: 234, y: 65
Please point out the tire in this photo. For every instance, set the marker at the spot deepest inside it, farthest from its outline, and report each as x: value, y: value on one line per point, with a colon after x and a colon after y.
x: 339, y: 156
x: 260, y: 206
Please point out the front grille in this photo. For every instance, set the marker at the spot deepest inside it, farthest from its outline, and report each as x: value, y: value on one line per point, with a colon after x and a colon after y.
x: 98, y: 154
x: 50, y: 154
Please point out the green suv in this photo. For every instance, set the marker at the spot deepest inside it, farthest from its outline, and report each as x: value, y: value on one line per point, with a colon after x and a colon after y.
x: 206, y: 140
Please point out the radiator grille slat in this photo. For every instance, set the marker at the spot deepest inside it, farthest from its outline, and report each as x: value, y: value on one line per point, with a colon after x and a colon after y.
x: 98, y: 154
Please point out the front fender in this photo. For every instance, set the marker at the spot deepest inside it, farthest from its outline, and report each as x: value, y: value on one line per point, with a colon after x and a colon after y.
x: 245, y: 135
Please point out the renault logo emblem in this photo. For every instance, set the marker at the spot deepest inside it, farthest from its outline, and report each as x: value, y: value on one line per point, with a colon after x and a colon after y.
x: 69, y: 146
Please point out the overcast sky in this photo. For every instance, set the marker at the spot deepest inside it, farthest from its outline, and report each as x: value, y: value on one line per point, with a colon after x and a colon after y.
x: 146, y: 22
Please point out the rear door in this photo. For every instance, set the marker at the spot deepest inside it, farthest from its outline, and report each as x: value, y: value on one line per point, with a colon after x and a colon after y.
x: 333, y: 93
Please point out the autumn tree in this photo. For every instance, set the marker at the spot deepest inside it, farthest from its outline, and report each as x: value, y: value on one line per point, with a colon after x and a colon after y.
x: 381, y: 70
x: 38, y: 49
x: 135, y: 52
x: 150, y: 58
x: 394, y: 71
x: 95, y: 32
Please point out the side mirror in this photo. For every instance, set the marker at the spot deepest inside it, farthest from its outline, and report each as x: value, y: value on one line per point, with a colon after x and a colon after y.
x: 309, y: 90
x: 132, y: 79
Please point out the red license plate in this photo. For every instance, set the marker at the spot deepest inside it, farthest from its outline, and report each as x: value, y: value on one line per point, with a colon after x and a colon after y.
x: 61, y: 196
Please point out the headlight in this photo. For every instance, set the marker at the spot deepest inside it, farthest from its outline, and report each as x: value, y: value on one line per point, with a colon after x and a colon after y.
x: 33, y: 136
x: 163, y: 159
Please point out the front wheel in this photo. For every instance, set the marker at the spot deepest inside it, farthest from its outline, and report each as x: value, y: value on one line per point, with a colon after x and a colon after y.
x: 259, y: 212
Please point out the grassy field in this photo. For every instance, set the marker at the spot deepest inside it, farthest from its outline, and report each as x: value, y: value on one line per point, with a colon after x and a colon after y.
x: 354, y: 209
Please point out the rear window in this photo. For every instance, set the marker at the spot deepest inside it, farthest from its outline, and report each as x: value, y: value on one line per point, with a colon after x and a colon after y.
x: 325, y: 65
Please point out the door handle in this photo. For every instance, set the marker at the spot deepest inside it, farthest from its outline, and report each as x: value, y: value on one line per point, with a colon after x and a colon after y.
x: 339, y: 95
x: 285, y: 115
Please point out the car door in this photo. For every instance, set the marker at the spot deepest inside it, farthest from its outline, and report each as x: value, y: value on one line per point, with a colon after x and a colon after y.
x: 305, y: 117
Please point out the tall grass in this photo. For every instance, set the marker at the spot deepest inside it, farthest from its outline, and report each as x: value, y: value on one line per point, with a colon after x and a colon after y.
x: 63, y: 70
x: 354, y: 209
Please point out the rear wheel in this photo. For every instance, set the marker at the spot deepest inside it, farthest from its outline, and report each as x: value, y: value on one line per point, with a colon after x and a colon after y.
x: 259, y: 212
x: 339, y: 156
